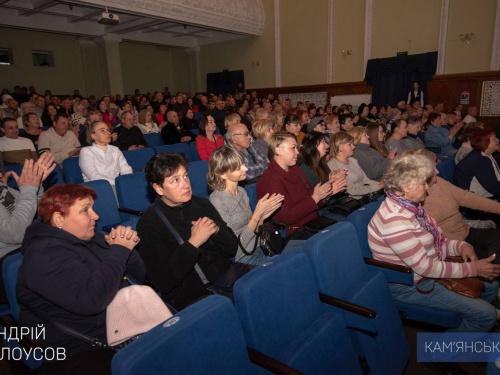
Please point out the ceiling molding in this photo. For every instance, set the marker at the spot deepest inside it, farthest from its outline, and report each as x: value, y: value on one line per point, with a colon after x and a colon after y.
x: 242, y: 16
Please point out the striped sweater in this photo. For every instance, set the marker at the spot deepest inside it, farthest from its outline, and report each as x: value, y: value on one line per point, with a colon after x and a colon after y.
x: 395, y: 236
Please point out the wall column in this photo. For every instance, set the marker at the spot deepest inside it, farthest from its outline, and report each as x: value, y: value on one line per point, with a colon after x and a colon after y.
x: 495, y: 53
x: 109, y: 49
x: 277, y: 43
x: 194, y: 69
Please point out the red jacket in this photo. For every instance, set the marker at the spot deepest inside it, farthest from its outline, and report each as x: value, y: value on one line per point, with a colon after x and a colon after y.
x: 298, y: 206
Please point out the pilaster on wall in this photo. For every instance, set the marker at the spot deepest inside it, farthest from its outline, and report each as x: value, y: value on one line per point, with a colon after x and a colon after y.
x: 109, y: 50
x: 443, y: 33
x: 277, y: 42
x: 495, y: 53
x: 194, y: 68
x: 368, y: 34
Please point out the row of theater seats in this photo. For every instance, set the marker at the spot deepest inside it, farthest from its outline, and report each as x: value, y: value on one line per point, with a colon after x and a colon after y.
x: 321, y: 310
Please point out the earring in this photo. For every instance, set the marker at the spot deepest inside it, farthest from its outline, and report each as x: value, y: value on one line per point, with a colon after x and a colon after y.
x: 60, y: 227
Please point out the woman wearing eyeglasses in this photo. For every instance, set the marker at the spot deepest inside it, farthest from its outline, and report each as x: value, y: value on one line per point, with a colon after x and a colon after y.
x: 100, y: 160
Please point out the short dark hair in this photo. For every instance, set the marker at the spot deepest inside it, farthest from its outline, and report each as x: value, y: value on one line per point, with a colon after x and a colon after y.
x: 164, y: 165
x: 343, y: 117
x: 59, y: 115
x: 6, y: 120
x: 433, y: 116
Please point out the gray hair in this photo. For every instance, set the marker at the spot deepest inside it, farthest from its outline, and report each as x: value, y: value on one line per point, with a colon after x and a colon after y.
x: 408, y: 170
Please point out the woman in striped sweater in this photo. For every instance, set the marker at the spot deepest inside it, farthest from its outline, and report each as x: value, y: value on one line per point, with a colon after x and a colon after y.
x: 401, y: 232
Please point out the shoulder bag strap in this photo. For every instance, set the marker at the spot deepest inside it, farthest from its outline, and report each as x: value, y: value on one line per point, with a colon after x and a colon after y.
x: 69, y: 331
x: 179, y: 239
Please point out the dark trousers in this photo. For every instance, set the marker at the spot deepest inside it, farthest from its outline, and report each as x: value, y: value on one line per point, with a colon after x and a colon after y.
x: 486, y: 241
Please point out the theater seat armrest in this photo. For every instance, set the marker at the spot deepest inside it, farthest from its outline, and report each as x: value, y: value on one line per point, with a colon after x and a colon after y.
x: 394, y: 273
x: 129, y: 211
x: 348, y: 306
x: 389, y: 266
x: 271, y: 364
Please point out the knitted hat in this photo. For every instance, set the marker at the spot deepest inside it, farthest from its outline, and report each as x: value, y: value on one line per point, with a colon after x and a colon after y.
x: 314, y: 122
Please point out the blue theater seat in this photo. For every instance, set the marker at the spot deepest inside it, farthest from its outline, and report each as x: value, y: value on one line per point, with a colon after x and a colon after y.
x: 180, y: 148
x: 138, y: 159
x: 72, y: 171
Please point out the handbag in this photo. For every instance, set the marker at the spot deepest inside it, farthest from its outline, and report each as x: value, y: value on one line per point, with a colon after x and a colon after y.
x: 318, y: 224
x: 135, y: 310
x: 271, y: 242
x: 344, y: 206
x: 469, y: 286
x: 225, y: 282
x: 372, y: 197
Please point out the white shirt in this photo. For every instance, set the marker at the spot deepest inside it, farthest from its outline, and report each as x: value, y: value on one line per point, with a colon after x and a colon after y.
x: 468, y: 119
x: 99, y: 165
x: 9, y: 144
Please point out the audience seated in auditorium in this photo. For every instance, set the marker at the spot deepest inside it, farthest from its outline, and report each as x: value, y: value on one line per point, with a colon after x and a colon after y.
x: 464, y: 138
x: 332, y: 125
x: 412, y: 140
x: 100, y: 160
x: 173, y: 132
x: 240, y: 138
x: 245, y: 118
x: 345, y: 122
x: 107, y: 116
x: 48, y: 115
x: 188, y: 121
x: 471, y: 115
x: 146, y: 123
x: 66, y: 106
x: 312, y: 160
x: 207, y: 141
x: 317, y: 124
x: 438, y: 137
x: 15, y: 149
x: 225, y: 170
x: 78, y: 117
x: 26, y: 107
x: 129, y: 136
x: 31, y: 123
x: 39, y: 106
x: 12, y: 109
x: 443, y: 202
x: 403, y: 233
x: 206, y: 244
x: 301, y: 199
x: 363, y: 112
x: 397, y: 131
x: 59, y: 140
x: 69, y: 275
x: 341, y: 152
x: 292, y: 124
x: 370, y: 160
x: 478, y: 171
x: 18, y: 207
x: 262, y: 131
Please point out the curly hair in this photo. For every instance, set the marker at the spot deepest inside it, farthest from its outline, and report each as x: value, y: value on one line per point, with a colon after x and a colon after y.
x: 409, y: 170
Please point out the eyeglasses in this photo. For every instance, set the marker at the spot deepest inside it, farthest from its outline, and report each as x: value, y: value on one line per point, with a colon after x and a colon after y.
x: 103, y: 130
x: 245, y: 134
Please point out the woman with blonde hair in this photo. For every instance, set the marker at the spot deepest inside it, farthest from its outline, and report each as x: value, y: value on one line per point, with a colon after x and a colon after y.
x: 262, y: 130
x: 231, y: 119
x: 277, y: 120
x: 369, y: 159
x: 146, y: 123
x: 341, y: 152
x: 225, y: 170
x: 332, y: 125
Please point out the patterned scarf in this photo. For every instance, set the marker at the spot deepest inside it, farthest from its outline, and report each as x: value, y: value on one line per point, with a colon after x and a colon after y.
x: 427, y: 222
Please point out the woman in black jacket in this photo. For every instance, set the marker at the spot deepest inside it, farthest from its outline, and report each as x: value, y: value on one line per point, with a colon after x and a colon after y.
x: 70, y: 274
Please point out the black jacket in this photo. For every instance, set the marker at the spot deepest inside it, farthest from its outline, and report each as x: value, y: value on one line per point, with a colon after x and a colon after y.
x: 170, y: 265
x: 171, y: 135
x: 71, y: 281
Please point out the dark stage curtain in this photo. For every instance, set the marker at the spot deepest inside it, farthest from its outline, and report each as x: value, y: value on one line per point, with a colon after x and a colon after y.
x: 392, y: 77
x: 225, y: 82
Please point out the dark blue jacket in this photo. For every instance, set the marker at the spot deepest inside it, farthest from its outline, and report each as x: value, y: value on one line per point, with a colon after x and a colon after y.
x: 475, y: 164
x: 72, y: 282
